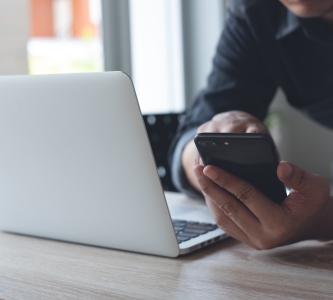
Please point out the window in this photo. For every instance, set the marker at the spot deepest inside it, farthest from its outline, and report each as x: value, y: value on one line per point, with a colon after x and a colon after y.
x: 157, y: 55
x: 65, y: 36
x: 167, y: 48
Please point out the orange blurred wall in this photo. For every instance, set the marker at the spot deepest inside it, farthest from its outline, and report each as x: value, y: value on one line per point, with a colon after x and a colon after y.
x: 41, y: 12
x: 82, y: 26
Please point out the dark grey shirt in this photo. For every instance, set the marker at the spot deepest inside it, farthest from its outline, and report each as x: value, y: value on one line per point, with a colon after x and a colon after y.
x: 263, y: 46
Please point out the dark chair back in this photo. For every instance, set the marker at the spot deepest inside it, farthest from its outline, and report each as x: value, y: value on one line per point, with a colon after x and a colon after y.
x: 161, y: 129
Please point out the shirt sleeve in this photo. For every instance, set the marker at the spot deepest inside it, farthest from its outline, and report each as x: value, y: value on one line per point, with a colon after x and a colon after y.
x: 178, y: 176
x: 239, y: 80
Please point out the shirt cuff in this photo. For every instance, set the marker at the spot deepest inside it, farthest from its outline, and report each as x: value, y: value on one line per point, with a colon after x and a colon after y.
x: 178, y: 175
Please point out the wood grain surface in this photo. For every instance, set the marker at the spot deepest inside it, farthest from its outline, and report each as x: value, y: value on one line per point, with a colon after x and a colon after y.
x: 32, y: 268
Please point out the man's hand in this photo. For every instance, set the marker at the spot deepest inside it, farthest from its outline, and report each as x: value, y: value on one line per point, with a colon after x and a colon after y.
x: 232, y: 121
x: 248, y: 215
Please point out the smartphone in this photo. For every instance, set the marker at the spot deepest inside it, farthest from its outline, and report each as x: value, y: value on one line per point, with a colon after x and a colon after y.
x: 250, y: 156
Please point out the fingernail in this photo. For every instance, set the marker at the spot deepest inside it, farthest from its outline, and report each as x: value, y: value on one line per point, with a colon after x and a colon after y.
x: 287, y: 170
x: 212, y: 174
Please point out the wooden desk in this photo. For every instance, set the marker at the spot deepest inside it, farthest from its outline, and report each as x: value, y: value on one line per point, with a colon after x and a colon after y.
x: 32, y: 268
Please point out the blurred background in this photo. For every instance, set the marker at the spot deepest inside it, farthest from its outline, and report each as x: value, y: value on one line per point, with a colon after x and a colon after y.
x: 166, y: 46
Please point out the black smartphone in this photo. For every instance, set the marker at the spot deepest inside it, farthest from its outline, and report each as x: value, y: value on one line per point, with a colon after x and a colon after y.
x: 250, y: 156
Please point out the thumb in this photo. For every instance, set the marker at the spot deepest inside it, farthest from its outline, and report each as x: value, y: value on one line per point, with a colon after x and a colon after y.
x: 298, y: 179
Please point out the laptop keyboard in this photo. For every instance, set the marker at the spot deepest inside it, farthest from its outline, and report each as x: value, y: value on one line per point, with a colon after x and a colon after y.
x: 186, y: 230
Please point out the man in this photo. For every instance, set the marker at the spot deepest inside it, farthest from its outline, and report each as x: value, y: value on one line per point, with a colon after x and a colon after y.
x: 265, y: 44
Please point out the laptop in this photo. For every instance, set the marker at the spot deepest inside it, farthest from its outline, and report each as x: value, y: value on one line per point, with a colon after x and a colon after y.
x: 76, y: 165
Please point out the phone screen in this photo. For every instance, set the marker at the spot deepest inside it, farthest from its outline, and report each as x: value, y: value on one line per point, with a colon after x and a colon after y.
x: 251, y: 157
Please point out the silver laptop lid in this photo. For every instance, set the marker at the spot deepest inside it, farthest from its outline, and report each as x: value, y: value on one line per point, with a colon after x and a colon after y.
x: 76, y: 164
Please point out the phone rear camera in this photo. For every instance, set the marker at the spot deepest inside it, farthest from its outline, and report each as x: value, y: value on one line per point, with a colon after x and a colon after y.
x: 203, y: 144
x: 214, y: 144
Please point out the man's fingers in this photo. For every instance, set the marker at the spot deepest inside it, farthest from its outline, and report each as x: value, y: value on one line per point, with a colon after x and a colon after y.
x: 196, y: 158
x: 256, y: 128
x: 262, y: 207
x: 227, y: 203
x: 226, y: 224
x: 300, y: 180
